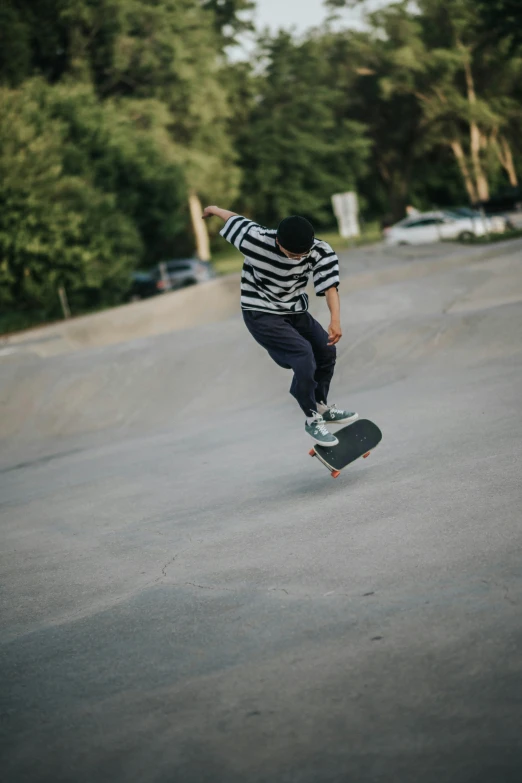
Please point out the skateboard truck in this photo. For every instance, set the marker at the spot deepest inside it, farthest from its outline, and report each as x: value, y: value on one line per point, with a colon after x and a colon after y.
x: 334, y: 473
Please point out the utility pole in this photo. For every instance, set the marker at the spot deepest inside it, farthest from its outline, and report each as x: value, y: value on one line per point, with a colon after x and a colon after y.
x: 199, y: 226
x: 64, y: 302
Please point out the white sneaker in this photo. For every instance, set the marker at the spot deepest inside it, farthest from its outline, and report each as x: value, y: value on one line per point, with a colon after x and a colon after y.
x: 334, y: 415
x: 317, y: 429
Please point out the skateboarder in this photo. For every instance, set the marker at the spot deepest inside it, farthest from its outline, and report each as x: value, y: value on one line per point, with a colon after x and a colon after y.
x: 275, y: 273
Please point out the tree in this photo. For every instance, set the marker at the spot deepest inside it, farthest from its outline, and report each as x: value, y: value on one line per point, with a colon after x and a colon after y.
x: 433, y: 57
x: 125, y: 149
x: 15, y: 46
x: 34, y: 39
x: 357, y: 63
x: 469, y: 95
x: 166, y: 50
x: 55, y: 229
x: 295, y: 150
x: 500, y: 21
x: 231, y: 17
x: 88, y: 191
x: 464, y: 85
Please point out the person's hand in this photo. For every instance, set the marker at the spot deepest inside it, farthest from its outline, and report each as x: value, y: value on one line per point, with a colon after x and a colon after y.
x: 334, y: 332
x: 207, y: 212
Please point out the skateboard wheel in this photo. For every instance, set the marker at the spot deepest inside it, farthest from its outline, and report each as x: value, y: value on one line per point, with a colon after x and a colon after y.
x: 336, y: 473
x: 312, y: 453
x: 366, y: 455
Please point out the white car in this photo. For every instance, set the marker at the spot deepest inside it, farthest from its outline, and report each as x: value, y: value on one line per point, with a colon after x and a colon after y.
x: 434, y: 226
x: 495, y: 224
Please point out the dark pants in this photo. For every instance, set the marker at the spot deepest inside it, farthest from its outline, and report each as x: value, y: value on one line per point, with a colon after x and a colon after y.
x: 297, y: 342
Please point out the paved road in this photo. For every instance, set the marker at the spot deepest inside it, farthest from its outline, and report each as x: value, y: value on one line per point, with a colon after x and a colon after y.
x: 187, y: 596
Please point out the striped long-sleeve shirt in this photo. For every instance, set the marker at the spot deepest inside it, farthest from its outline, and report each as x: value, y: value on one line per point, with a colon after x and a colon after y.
x: 272, y: 282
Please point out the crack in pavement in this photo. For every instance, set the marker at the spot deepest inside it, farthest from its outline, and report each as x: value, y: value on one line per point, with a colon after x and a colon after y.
x: 503, y: 587
x: 208, y: 587
x: 169, y: 562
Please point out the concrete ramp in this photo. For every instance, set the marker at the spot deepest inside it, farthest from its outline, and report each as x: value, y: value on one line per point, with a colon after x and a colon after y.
x: 207, y: 302
x: 391, y: 328
x: 154, y: 384
x: 215, y: 301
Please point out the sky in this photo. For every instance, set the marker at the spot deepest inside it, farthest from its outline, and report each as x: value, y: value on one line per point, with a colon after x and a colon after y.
x: 298, y: 15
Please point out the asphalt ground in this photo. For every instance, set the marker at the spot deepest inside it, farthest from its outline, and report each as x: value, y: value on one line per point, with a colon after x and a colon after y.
x: 187, y: 596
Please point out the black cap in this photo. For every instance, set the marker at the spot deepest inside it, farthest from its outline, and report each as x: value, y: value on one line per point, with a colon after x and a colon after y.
x: 296, y: 234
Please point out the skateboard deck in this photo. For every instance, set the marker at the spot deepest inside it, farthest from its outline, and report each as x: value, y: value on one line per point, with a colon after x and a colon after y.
x: 355, y: 440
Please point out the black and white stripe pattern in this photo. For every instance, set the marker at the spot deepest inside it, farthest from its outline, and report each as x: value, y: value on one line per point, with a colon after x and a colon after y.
x: 270, y: 281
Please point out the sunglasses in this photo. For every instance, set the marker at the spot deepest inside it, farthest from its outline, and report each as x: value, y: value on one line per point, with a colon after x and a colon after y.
x: 295, y: 256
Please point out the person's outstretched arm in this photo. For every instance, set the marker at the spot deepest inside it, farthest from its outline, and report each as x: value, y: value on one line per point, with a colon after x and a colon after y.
x: 224, y: 214
x: 334, y: 330
x: 237, y: 229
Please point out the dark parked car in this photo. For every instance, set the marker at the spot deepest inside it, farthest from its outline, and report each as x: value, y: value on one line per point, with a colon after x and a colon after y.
x: 145, y: 284
x: 169, y: 276
x: 182, y: 272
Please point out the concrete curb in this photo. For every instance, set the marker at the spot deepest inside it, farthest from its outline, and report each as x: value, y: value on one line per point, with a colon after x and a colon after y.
x: 207, y: 302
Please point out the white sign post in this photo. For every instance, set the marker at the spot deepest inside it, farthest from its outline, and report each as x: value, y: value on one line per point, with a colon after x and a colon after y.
x: 346, y: 210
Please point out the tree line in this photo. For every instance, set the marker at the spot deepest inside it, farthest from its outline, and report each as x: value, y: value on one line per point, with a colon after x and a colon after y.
x: 114, y: 112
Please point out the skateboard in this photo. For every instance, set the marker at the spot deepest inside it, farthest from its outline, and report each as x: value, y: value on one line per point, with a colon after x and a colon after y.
x: 356, y: 440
